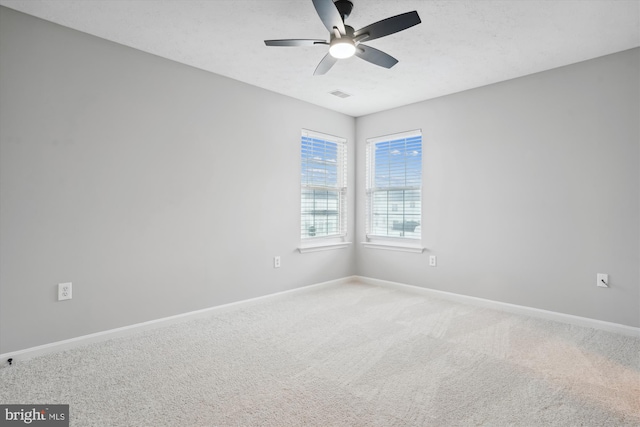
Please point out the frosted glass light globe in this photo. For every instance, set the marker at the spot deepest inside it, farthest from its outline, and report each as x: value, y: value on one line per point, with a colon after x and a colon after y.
x: 342, y: 48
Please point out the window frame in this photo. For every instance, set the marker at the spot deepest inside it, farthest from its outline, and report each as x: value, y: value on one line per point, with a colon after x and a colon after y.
x: 386, y: 241
x: 334, y: 240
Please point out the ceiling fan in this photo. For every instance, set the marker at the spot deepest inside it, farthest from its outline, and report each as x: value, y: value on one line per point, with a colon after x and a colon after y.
x: 344, y: 42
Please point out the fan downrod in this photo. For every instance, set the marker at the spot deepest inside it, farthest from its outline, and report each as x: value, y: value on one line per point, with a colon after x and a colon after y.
x: 344, y: 8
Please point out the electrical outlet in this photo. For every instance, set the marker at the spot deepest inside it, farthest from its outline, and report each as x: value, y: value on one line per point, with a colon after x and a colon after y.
x: 64, y: 291
x: 602, y: 280
x: 276, y: 262
x: 433, y: 261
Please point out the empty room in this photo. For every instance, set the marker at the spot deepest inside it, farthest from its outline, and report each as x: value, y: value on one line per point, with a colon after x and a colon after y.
x: 319, y: 213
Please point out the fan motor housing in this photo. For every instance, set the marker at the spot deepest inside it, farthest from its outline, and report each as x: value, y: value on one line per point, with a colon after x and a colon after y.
x: 349, y: 33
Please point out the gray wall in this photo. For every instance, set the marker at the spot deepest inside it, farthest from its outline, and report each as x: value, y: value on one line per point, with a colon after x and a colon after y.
x: 154, y: 187
x: 531, y: 187
x: 158, y: 189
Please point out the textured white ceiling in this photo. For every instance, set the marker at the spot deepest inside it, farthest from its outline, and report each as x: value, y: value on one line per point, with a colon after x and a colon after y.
x: 459, y: 45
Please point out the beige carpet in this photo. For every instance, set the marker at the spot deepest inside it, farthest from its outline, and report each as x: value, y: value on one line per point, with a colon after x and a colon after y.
x: 349, y: 355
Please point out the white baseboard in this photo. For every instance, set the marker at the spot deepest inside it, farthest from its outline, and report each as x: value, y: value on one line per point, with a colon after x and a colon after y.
x: 157, y: 323
x: 166, y: 321
x: 511, y: 308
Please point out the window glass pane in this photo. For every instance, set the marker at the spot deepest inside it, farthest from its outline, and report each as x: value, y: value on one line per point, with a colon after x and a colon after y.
x: 395, y: 181
x: 323, y: 196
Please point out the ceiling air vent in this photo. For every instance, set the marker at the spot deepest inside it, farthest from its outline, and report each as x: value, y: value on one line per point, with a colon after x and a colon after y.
x: 340, y: 94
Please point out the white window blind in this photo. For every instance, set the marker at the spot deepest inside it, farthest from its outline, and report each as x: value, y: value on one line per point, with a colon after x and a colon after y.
x: 394, y: 185
x: 324, y: 186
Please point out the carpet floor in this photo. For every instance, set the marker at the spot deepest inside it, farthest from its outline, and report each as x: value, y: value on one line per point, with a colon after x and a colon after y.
x: 348, y: 355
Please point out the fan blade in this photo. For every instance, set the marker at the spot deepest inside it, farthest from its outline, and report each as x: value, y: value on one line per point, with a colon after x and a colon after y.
x: 375, y: 56
x: 294, y: 42
x: 325, y: 65
x: 329, y: 15
x: 389, y: 26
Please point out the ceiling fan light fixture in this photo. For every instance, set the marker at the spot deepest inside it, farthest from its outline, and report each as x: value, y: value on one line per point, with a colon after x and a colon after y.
x: 342, y: 48
x: 344, y: 41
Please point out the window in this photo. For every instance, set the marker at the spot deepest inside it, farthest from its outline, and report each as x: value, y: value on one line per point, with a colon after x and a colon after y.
x: 394, y: 186
x: 324, y: 186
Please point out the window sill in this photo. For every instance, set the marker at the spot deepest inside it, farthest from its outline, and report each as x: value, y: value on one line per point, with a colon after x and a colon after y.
x: 322, y: 247
x: 394, y: 247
